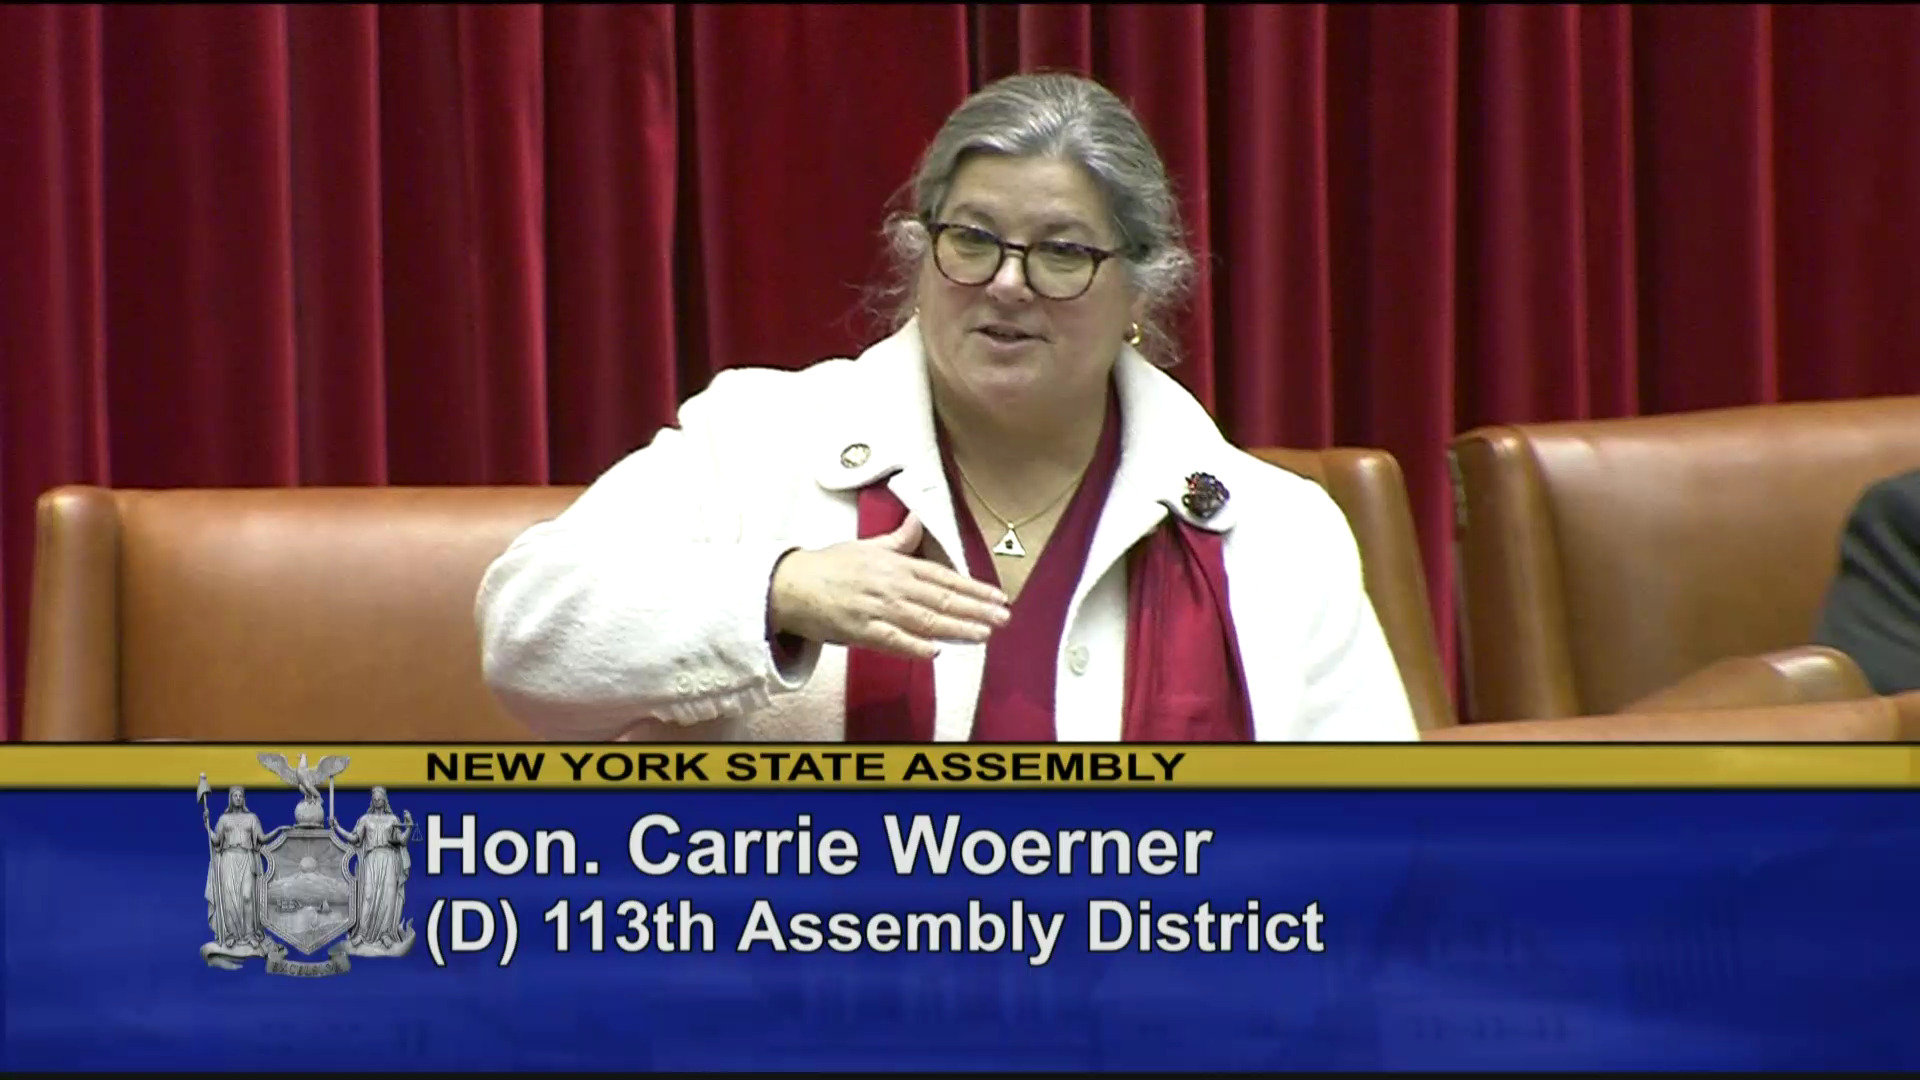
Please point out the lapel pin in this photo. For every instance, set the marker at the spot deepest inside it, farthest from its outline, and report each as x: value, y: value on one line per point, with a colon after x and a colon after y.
x: 854, y: 456
x: 1205, y: 495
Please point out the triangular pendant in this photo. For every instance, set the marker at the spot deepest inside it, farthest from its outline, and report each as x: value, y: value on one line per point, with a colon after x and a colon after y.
x: 1010, y: 545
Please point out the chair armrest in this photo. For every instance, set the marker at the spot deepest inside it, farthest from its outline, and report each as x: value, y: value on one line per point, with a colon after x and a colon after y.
x: 1798, y: 676
x: 73, y: 621
x: 1871, y: 719
x: 1907, y: 708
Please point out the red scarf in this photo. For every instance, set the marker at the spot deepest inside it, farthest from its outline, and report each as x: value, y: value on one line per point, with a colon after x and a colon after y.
x: 1184, y: 680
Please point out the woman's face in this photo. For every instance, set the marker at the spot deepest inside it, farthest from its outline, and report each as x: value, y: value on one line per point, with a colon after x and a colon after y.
x: 1002, y: 347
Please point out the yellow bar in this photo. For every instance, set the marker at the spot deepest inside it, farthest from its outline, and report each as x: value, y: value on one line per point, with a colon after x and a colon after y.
x: 740, y: 766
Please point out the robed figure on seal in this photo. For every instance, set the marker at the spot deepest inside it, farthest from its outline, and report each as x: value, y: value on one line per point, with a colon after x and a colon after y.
x: 380, y: 881
x: 233, y: 873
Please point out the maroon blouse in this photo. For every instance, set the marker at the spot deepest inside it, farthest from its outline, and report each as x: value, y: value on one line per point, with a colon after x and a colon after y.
x: 1023, y: 657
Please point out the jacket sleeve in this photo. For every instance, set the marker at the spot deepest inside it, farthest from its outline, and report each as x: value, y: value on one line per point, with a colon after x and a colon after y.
x: 645, y: 598
x: 1354, y: 691
x: 1872, y: 610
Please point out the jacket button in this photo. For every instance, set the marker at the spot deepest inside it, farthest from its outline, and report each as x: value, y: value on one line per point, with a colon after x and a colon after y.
x: 1077, y: 659
x: 684, y: 683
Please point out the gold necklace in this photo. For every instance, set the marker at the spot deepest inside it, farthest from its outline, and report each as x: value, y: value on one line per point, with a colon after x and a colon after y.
x: 1010, y: 544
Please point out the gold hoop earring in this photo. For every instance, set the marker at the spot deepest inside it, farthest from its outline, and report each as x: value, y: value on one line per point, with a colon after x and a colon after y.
x: 1133, y: 334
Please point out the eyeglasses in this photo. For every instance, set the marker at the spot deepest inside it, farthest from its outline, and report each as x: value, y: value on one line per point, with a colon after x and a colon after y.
x: 1054, y: 269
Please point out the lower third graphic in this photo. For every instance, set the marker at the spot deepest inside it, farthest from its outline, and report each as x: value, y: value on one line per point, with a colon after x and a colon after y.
x: 308, y: 886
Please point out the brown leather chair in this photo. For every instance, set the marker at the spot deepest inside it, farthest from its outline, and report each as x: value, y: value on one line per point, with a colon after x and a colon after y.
x: 1664, y: 561
x: 1866, y: 719
x: 268, y: 614
x: 1369, y: 487
x: 1907, y: 706
x: 347, y: 613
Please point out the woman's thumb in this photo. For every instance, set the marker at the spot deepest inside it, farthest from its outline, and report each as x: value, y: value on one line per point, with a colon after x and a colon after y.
x: 906, y: 538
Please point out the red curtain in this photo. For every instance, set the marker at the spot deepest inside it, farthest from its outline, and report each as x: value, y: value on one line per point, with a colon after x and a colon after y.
x: 281, y: 245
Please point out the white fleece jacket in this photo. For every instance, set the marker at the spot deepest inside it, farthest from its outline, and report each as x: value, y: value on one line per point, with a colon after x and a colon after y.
x: 640, y: 612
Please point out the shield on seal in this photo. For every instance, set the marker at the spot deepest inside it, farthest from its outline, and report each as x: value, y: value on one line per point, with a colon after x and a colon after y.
x: 307, y: 896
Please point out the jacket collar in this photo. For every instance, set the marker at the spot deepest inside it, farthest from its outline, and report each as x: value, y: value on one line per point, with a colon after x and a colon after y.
x: 884, y: 427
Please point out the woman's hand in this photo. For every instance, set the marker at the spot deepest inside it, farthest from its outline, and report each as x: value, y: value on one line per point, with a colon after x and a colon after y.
x: 876, y: 594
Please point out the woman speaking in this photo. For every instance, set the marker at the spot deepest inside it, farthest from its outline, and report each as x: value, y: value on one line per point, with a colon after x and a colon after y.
x: 1003, y: 523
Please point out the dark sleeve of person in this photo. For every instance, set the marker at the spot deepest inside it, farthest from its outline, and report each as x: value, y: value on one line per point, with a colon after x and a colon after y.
x: 1872, y: 611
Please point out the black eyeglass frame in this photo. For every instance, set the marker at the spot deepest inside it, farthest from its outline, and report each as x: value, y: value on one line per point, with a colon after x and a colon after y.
x: 1007, y: 247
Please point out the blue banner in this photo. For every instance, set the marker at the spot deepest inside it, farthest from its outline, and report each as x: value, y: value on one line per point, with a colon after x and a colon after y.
x: 1389, y: 930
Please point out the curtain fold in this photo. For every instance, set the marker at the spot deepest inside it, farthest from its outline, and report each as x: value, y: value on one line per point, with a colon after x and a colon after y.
x: 198, y: 256
x: 333, y: 80
x: 612, y: 168
x: 53, y: 375
x: 457, y: 244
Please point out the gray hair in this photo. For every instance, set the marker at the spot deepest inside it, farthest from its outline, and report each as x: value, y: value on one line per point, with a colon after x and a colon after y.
x: 1075, y: 119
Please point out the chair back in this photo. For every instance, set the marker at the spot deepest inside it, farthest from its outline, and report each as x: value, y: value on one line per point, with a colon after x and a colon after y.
x: 1369, y: 487
x: 269, y: 614
x: 1601, y: 561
